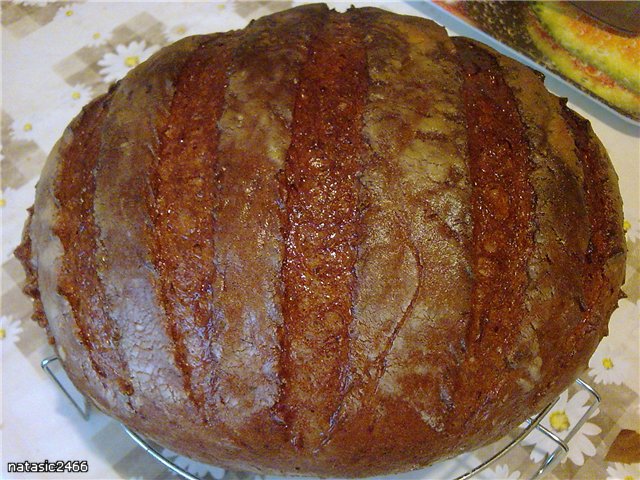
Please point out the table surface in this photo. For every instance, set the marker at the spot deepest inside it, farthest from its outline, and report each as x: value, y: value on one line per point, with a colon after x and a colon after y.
x: 58, y: 55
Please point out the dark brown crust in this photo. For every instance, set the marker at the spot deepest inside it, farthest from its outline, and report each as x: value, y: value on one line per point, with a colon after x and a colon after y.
x: 47, y: 252
x: 407, y: 325
x: 356, y: 165
x: 571, y: 165
x: 502, y: 205
x: 604, y: 259
x: 75, y: 227
x: 320, y: 228
x: 255, y: 136
x: 123, y: 205
x: 184, y: 192
x: 502, y: 199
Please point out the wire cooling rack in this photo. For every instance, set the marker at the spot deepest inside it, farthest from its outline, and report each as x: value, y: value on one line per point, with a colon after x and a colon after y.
x: 503, y: 447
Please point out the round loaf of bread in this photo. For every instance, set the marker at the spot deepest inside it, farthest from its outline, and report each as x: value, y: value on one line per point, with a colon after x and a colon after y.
x: 333, y: 244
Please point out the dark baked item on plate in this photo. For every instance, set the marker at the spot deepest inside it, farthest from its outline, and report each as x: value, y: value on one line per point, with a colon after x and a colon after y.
x: 334, y: 244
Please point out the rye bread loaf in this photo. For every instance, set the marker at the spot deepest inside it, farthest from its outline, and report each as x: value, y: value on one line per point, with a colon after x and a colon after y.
x: 335, y: 244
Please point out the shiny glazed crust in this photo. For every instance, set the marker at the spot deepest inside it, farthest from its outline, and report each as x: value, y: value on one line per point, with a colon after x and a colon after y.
x: 334, y: 244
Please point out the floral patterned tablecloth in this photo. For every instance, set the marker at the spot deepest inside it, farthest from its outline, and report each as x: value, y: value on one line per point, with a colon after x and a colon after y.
x: 56, y: 56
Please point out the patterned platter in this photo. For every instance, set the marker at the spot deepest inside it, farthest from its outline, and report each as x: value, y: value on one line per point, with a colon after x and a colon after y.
x: 600, y: 61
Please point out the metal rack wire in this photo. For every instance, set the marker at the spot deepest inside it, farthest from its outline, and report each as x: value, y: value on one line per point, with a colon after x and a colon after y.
x: 549, y: 461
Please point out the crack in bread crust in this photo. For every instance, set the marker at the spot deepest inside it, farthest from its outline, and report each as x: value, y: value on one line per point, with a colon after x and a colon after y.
x: 320, y: 231
x: 78, y: 281
x: 185, y: 201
